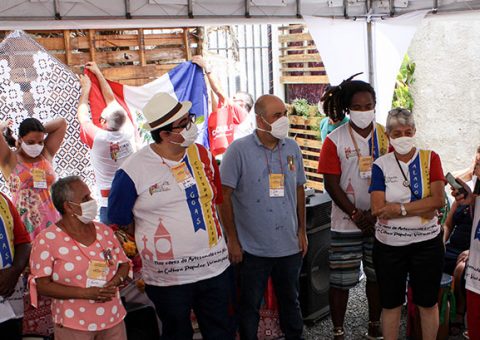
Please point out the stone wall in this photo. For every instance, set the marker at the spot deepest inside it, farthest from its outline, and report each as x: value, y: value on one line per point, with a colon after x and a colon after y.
x: 446, y: 50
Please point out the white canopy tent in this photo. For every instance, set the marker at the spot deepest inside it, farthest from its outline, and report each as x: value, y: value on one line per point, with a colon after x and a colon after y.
x: 369, y: 36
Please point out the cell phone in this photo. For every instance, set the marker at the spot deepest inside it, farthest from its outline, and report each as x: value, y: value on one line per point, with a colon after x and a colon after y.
x: 455, y: 184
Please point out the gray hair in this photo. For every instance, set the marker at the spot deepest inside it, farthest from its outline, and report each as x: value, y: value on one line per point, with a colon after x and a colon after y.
x: 399, y: 116
x: 62, y: 191
x: 114, y: 119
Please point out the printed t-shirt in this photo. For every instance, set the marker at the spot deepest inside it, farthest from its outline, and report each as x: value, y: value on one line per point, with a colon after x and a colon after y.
x: 339, y: 157
x: 177, y: 230
x: 424, y: 168
x: 109, y: 149
x: 56, y: 254
x: 221, y: 126
x: 12, y: 233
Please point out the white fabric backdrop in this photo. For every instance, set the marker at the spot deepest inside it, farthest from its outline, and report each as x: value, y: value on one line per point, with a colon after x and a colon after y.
x: 342, y: 44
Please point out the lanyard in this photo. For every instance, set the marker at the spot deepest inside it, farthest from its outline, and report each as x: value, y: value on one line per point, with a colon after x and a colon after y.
x: 107, y: 253
x: 355, y: 142
x: 279, y: 158
x: 406, y: 182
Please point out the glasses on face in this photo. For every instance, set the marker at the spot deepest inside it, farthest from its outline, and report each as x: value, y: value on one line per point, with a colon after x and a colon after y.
x: 397, y: 111
x: 191, y: 119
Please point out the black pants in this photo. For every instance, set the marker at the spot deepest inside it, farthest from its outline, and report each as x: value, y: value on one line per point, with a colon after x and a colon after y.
x: 11, y: 329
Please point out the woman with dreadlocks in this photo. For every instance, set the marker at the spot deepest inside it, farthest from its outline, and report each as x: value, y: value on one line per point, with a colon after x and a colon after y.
x: 346, y: 162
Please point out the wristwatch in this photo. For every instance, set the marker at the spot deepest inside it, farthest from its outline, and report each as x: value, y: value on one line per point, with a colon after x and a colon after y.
x: 403, y: 211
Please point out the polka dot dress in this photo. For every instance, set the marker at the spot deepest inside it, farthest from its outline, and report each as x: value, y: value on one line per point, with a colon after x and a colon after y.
x: 56, y: 254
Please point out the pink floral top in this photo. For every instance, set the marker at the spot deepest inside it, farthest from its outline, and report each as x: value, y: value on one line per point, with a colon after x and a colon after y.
x: 67, y: 261
x: 32, y: 197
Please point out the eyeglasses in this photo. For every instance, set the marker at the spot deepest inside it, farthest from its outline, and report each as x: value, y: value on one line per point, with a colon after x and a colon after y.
x: 398, y: 110
x: 191, y: 119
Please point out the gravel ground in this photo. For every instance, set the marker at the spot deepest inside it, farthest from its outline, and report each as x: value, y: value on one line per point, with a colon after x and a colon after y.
x: 356, y: 320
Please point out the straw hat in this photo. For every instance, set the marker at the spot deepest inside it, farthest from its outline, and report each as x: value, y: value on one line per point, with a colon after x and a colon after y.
x: 162, y: 109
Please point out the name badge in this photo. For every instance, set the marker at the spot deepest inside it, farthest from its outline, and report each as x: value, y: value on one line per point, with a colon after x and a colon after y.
x: 276, y: 185
x: 183, y: 176
x: 39, y: 178
x: 365, y: 166
x: 97, y: 273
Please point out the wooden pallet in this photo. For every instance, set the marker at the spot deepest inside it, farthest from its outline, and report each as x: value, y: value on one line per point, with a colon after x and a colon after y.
x: 299, y: 58
x: 129, y: 56
x: 307, y: 138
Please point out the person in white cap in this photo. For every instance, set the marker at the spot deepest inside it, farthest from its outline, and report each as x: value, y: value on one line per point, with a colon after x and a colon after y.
x: 166, y: 194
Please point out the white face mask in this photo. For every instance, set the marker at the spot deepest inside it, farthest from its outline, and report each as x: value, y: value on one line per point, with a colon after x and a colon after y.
x: 89, y: 211
x: 33, y: 150
x: 362, y: 119
x: 402, y: 145
x: 189, y: 135
x: 279, y: 127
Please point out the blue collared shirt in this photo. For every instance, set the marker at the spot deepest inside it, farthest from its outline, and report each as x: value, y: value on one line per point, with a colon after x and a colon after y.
x: 266, y: 226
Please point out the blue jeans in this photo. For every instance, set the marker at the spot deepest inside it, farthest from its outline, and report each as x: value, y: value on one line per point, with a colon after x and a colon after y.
x: 209, y: 299
x: 254, y: 273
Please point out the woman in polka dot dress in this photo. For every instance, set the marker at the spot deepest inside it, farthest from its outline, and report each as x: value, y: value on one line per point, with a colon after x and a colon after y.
x: 80, y: 264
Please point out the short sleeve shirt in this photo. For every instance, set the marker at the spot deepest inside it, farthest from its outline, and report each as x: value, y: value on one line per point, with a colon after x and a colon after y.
x: 339, y: 157
x: 423, y: 169
x: 266, y: 226
x: 177, y: 230
x: 56, y: 254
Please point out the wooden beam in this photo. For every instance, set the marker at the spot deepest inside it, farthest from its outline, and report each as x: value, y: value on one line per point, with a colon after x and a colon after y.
x: 141, y: 47
x: 91, y: 44
x: 295, y: 37
x: 68, y: 49
x: 186, y: 42
x: 304, y: 80
x: 301, y: 58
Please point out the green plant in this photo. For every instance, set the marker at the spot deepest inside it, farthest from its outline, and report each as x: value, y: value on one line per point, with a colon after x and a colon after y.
x: 401, y: 95
x: 301, y: 107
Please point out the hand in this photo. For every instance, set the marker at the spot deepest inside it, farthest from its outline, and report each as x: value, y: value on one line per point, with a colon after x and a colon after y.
x: 8, y: 281
x: 85, y: 83
x: 5, y: 124
x: 100, y: 294
x: 235, y: 251
x: 198, y: 59
x: 114, y: 282
x: 361, y: 220
x: 463, y: 257
x: 389, y: 211
x: 461, y: 198
x: 93, y: 67
x: 303, y: 242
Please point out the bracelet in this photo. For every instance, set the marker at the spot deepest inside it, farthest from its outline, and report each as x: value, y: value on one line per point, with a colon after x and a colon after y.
x: 354, y: 212
x: 121, y: 279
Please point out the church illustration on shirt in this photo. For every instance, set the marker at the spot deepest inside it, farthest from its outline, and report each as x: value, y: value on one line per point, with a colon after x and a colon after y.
x: 162, y: 242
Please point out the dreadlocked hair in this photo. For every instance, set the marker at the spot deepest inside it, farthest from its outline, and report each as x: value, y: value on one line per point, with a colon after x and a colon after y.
x: 337, y: 99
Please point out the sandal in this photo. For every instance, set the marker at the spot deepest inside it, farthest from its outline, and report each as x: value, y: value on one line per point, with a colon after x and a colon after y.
x: 338, y: 333
x: 374, y: 331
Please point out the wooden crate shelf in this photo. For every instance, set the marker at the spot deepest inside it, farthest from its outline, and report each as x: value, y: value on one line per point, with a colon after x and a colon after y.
x: 129, y: 56
x: 300, y: 62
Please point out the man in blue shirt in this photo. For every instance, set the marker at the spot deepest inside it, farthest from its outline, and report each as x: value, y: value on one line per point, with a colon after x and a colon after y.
x: 263, y: 214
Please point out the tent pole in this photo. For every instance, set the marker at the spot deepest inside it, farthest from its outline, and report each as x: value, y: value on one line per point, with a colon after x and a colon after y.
x: 56, y: 9
x: 190, y: 9
x: 371, y: 78
x: 128, y: 13
x: 299, y: 9
x: 247, y: 8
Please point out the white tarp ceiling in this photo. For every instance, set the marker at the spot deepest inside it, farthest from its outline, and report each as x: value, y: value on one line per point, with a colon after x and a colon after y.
x: 50, y: 14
